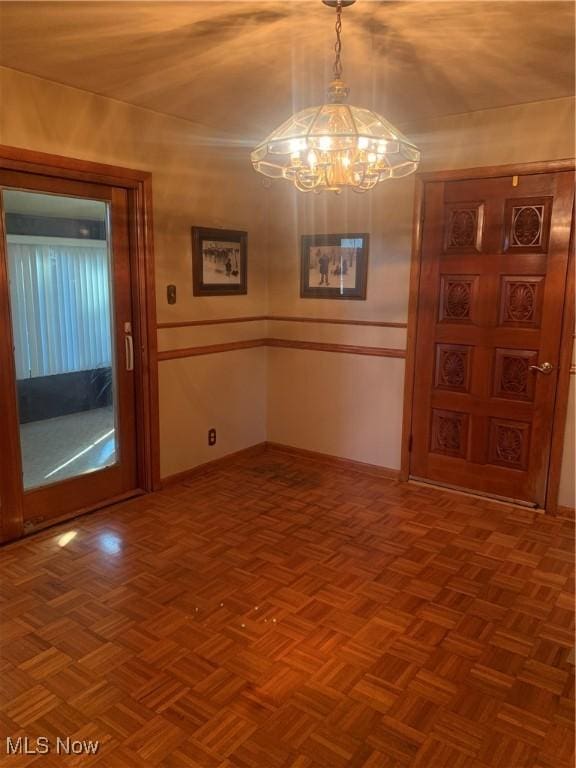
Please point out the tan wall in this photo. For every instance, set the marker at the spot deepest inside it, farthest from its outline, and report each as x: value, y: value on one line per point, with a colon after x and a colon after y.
x: 360, y: 410
x: 195, y: 181
x: 226, y: 391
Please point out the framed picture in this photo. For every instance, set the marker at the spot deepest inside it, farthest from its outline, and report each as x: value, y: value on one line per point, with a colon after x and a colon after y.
x: 219, y: 262
x: 334, y: 266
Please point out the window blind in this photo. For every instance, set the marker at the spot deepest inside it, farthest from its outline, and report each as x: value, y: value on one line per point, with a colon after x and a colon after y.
x: 60, y: 302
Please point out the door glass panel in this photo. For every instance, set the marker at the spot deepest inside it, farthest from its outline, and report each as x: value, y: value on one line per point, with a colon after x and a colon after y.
x: 61, y: 303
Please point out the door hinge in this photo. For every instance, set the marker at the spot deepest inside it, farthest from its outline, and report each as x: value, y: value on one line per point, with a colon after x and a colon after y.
x: 410, y: 444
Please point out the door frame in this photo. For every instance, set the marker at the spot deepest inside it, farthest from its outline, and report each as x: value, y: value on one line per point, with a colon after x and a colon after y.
x: 568, y: 318
x: 138, y: 185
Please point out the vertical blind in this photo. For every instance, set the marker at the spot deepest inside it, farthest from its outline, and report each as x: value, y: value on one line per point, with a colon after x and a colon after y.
x: 60, y: 300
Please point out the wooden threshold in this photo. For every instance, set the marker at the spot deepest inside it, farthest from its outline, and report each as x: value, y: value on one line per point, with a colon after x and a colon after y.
x: 475, y: 494
x: 30, y: 528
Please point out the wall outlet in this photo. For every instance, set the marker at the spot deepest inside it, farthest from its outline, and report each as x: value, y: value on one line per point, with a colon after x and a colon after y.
x: 212, y: 436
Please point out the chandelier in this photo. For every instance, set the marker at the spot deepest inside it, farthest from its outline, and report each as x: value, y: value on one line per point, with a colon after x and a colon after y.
x: 336, y: 145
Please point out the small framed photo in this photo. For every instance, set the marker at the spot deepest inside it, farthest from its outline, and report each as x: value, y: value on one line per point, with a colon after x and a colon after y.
x: 334, y: 266
x: 219, y: 265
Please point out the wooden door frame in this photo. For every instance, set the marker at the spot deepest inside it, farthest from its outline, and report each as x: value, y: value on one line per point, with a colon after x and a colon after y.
x: 567, y: 336
x: 138, y: 185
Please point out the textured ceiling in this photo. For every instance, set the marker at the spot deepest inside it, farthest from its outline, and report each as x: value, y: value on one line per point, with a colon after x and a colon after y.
x: 239, y: 68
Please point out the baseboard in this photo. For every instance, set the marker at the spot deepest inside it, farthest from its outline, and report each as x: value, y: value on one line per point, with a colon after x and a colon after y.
x: 210, y: 466
x: 254, y: 450
x: 567, y: 512
x: 375, y: 470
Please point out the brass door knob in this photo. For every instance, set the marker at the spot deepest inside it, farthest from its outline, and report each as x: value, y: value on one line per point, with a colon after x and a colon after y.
x: 545, y: 368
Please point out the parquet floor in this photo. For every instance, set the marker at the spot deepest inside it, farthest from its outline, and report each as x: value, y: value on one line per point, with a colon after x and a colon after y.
x: 282, y: 614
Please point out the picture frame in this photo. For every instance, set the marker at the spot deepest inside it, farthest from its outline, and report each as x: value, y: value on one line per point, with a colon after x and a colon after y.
x: 334, y: 266
x: 219, y: 262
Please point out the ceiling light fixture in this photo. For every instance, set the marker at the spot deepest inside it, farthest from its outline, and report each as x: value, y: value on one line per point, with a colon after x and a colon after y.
x: 334, y: 146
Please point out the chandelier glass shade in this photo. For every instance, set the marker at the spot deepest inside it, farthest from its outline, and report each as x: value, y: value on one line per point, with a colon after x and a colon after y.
x: 333, y: 146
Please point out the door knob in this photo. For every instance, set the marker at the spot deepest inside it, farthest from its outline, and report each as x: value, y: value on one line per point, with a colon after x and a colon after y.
x: 545, y: 368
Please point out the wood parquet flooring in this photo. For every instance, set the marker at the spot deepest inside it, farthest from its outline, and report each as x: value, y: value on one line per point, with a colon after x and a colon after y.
x: 281, y: 613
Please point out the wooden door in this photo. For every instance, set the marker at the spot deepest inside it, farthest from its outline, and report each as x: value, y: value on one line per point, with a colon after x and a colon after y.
x: 494, y: 259
x: 69, y: 367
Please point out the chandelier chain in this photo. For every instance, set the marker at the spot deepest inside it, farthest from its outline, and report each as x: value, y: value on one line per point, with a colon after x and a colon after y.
x: 338, y: 43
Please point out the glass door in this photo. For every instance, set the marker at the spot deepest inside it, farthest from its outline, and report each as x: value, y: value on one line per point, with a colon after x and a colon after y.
x: 67, y: 261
